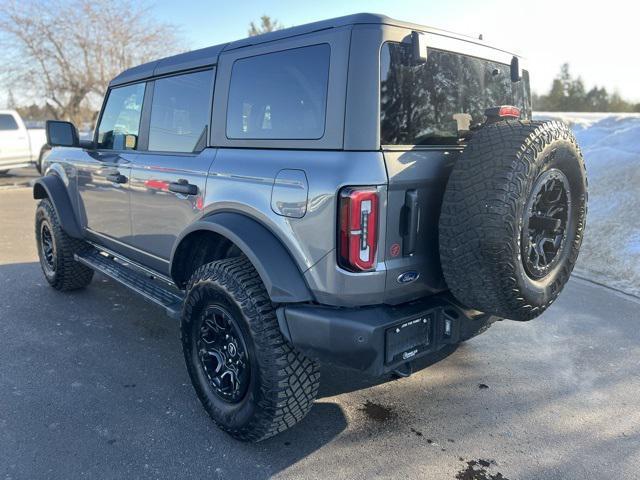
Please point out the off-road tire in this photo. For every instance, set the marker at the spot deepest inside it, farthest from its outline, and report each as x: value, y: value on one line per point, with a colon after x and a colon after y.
x: 283, y: 382
x: 65, y: 273
x: 484, y: 206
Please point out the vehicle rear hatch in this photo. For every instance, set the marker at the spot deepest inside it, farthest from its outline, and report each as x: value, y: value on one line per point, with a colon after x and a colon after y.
x: 417, y: 180
x: 426, y: 110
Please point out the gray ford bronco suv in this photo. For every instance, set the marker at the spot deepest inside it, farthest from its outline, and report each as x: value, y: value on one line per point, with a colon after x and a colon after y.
x: 359, y: 191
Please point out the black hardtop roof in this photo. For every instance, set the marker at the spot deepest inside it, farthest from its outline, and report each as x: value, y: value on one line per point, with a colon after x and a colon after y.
x: 209, y: 56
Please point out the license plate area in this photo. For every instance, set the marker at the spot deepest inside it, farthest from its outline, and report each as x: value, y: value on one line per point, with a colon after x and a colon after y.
x: 407, y: 339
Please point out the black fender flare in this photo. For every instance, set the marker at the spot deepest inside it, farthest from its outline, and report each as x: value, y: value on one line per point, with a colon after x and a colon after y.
x: 52, y: 187
x: 281, y: 277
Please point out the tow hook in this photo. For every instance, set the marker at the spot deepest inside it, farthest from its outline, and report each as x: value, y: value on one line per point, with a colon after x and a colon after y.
x: 403, y: 371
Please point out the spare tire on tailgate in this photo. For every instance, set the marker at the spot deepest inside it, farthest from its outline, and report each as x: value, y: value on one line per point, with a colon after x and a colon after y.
x: 513, y: 218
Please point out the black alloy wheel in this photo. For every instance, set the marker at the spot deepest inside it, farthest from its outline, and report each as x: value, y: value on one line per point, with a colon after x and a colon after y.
x: 223, y: 354
x: 47, y: 247
x: 547, y: 215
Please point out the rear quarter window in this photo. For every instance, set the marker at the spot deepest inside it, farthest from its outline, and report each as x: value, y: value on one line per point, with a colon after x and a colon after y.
x: 280, y: 95
x: 420, y: 103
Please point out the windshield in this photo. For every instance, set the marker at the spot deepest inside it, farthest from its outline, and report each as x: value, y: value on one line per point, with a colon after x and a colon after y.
x: 431, y: 103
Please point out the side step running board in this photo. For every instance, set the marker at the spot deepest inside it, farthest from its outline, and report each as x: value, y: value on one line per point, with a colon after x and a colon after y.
x: 136, y: 281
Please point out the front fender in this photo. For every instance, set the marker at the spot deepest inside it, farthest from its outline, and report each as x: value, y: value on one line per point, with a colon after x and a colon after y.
x: 52, y: 187
x: 281, y: 277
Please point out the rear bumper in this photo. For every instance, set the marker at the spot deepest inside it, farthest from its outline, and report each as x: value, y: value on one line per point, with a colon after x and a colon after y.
x: 378, y: 339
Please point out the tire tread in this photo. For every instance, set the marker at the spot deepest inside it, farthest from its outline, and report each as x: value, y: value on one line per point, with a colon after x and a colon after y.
x: 479, y: 224
x: 289, y: 380
x: 69, y: 275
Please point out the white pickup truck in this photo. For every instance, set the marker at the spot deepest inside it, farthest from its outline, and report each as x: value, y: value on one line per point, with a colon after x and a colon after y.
x: 19, y: 146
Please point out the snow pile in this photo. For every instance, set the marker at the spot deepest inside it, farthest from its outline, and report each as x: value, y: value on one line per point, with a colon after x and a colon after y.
x: 611, y: 147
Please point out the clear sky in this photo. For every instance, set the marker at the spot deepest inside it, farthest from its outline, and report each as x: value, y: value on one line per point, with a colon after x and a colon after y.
x: 598, y: 39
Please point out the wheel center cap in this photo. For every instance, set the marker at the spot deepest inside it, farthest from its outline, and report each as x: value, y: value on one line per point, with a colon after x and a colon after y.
x: 231, y: 349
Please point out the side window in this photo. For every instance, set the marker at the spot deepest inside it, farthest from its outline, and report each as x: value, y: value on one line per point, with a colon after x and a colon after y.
x: 281, y: 95
x: 120, y: 122
x: 180, y: 112
x: 7, y: 122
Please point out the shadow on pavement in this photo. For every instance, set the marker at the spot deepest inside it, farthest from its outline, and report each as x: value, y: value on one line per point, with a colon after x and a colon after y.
x: 99, y: 374
x: 336, y: 380
x: 19, y: 177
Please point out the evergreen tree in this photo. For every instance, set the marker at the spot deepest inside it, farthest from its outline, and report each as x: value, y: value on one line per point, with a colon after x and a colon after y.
x: 597, y: 100
x: 617, y: 104
x: 267, y: 24
x: 569, y: 95
x: 576, y: 95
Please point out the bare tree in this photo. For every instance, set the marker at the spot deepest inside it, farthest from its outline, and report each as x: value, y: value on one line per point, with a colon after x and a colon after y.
x: 11, y: 100
x: 266, y: 25
x: 66, y: 51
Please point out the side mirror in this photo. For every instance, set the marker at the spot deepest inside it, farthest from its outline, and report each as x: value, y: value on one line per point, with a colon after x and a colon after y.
x: 61, y: 134
x: 419, y: 50
x: 515, y: 70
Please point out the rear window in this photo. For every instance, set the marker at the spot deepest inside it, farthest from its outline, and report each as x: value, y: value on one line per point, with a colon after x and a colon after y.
x: 281, y: 95
x: 7, y: 122
x: 424, y: 104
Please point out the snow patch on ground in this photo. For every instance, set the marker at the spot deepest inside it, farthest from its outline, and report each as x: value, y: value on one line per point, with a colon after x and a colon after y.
x: 610, y: 144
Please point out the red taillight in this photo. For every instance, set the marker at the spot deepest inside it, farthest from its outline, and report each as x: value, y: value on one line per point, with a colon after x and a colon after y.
x: 505, y: 111
x: 358, y: 238
x: 509, y: 111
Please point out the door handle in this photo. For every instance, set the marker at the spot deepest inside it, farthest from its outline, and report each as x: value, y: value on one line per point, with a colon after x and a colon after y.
x: 411, y: 222
x: 184, y: 187
x: 116, y: 178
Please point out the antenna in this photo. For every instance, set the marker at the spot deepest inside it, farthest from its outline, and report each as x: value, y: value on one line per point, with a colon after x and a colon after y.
x: 480, y: 37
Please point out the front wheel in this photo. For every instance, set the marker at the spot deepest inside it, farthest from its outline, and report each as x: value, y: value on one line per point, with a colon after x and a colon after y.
x: 56, y: 251
x: 249, y: 379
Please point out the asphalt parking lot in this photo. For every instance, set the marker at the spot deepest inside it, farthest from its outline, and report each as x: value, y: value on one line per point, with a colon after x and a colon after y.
x: 18, y: 178
x: 93, y: 385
